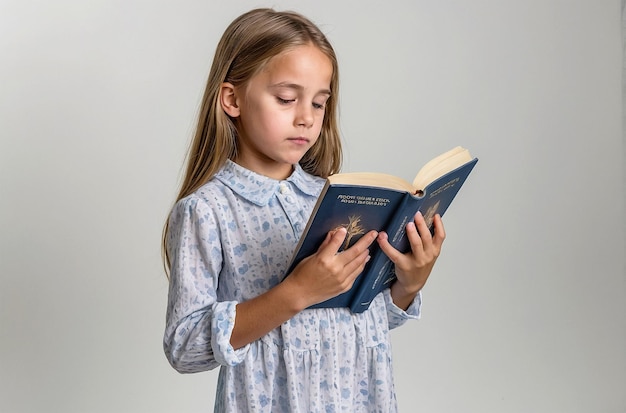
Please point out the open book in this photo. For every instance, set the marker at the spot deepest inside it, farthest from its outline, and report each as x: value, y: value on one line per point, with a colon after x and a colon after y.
x: 361, y: 202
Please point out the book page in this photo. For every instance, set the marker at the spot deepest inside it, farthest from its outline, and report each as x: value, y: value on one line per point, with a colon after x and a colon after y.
x: 440, y: 165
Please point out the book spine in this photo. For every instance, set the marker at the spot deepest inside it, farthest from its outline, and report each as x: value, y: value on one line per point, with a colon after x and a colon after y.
x: 381, y: 271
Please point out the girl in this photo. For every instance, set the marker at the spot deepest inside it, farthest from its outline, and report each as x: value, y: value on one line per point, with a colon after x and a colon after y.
x: 267, y: 137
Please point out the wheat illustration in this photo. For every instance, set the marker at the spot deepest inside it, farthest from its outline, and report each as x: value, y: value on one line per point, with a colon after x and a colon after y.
x: 353, y: 228
x: 430, y: 214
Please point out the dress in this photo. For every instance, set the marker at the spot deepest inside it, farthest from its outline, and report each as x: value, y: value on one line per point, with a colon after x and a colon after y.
x: 232, y: 240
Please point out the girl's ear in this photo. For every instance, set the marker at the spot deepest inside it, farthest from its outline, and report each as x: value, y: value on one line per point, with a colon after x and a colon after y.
x: 228, y: 100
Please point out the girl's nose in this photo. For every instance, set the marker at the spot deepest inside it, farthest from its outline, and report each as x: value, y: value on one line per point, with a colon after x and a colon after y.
x: 304, y: 117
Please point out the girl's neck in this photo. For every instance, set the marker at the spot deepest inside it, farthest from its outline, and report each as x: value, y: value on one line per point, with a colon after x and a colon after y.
x: 274, y: 170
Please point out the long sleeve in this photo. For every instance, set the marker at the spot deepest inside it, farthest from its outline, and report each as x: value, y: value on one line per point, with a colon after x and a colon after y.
x: 396, y: 315
x: 198, y: 326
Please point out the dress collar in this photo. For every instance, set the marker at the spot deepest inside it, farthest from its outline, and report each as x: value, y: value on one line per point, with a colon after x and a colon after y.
x: 259, y: 189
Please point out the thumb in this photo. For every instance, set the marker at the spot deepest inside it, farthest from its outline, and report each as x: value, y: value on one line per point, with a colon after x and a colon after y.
x: 333, y: 241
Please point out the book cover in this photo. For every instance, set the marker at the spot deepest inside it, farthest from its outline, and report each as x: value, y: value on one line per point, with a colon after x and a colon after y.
x: 361, y: 208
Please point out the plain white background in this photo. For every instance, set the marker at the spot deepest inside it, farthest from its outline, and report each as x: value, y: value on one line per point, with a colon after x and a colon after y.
x: 526, y: 309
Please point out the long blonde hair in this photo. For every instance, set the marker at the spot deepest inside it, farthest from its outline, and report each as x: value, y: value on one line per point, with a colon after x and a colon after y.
x: 248, y: 43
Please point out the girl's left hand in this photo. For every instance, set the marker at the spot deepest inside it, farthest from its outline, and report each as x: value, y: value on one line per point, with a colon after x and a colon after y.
x: 414, y: 267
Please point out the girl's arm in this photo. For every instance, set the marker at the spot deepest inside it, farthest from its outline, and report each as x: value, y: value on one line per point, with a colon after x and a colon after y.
x: 414, y: 267
x: 323, y: 275
x: 196, y: 259
x: 201, y: 332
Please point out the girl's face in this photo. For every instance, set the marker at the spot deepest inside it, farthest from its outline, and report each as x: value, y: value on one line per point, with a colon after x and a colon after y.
x: 281, y: 111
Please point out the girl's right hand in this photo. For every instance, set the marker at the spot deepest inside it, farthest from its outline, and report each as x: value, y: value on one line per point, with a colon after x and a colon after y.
x: 328, y: 273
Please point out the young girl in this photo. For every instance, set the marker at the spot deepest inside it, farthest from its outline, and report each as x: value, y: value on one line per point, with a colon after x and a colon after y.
x: 267, y: 137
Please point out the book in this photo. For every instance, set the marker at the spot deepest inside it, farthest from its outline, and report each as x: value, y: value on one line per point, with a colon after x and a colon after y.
x: 364, y: 201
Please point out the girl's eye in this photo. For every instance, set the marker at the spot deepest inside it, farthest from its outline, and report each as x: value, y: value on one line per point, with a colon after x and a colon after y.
x: 284, y: 101
x: 318, y: 105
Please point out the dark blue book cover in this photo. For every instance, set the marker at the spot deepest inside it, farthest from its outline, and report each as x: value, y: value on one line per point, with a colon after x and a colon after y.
x: 361, y: 208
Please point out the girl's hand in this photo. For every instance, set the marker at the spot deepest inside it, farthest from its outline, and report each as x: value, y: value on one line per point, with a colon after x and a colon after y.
x: 328, y: 273
x: 317, y: 278
x: 414, y: 267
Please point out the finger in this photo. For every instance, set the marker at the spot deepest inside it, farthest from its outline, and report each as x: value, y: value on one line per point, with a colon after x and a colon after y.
x: 356, y: 266
x: 361, y: 245
x: 332, y: 243
x: 329, y: 236
x: 393, y: 254
x: 422, y: 227
x: 439, y: 230
x: 415, y: 241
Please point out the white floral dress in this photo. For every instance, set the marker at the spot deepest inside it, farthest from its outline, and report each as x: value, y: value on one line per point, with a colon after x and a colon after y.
x: 231, y: 241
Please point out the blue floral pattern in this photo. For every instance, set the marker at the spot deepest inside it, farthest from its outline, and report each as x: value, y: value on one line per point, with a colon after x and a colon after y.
x: 232, y: 240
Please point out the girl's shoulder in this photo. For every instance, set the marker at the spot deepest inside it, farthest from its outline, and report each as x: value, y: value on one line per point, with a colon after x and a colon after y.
x: 205, y: 196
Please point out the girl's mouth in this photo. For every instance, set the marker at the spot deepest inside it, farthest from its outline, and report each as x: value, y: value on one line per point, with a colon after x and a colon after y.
x: 299, y: 140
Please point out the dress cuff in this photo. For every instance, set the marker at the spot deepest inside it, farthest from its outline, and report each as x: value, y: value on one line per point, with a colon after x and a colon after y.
x: 221, y: 331
x: 398, y: 316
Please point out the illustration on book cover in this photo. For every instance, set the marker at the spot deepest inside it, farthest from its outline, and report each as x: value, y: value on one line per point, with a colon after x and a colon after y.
x: 430, y: 214
x: 353, y: 228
